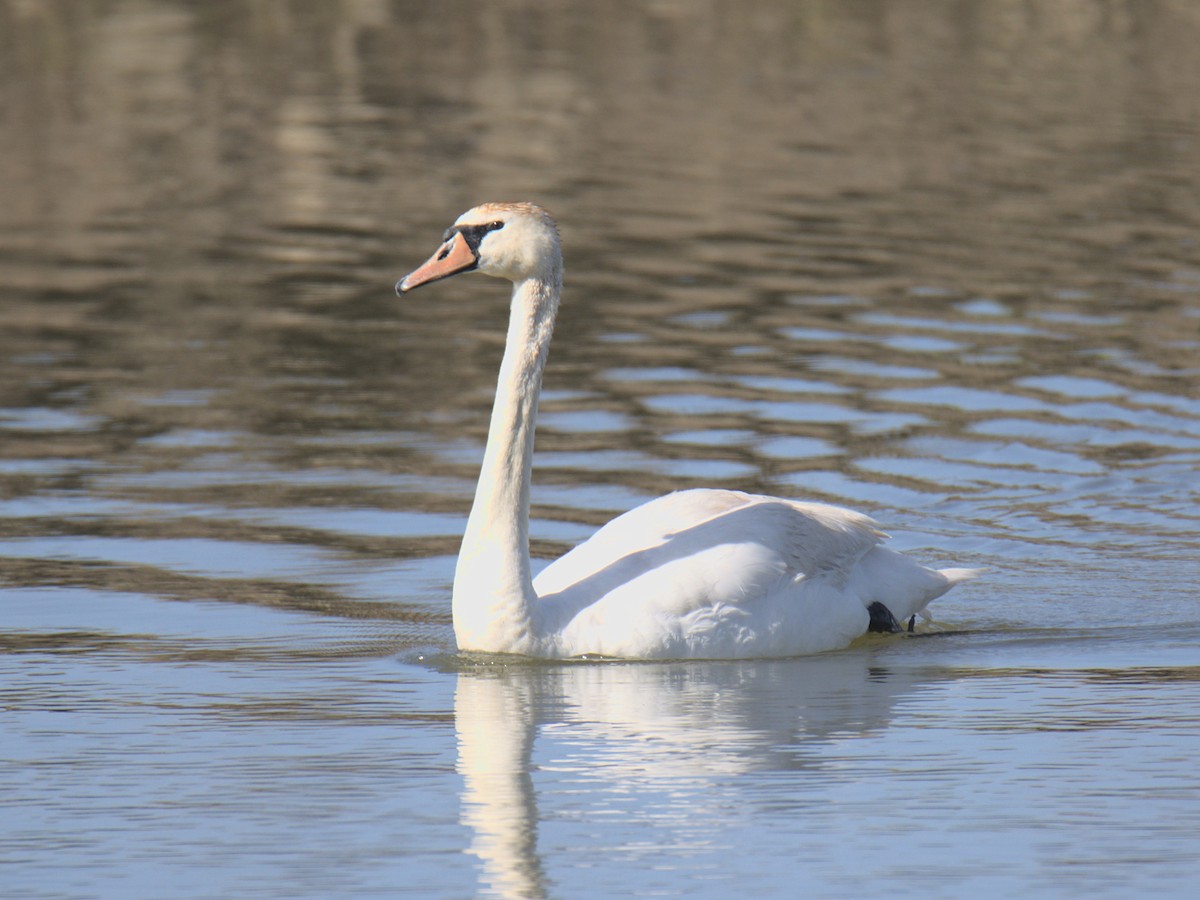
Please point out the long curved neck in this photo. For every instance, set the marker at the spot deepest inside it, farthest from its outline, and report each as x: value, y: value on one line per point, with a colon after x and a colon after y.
x: 493, y: 583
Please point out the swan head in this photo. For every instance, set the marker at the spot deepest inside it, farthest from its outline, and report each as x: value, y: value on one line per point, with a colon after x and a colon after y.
x: 517, y: 241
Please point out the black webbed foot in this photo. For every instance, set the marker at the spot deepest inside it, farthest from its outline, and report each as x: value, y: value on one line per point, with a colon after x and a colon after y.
x: 882, y: 620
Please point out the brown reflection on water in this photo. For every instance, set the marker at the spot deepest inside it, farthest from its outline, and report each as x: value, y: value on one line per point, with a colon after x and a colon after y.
x: 824, y: 205
x: 937, y: 261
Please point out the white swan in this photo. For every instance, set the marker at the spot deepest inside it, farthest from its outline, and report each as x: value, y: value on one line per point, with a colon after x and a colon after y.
x: 707, y: 574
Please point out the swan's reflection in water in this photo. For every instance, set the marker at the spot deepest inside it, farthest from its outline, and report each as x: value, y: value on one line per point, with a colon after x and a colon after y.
x: 660, y: 743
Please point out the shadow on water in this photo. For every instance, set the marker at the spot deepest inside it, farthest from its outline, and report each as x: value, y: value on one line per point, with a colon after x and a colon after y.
x: 676, y: 758
x: 676, y: 736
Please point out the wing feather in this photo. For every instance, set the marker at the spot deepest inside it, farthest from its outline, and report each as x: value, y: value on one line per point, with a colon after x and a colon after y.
x: 804, y: 538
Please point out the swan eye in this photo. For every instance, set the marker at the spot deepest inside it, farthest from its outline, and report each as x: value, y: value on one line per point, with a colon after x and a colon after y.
x: 474, y: 234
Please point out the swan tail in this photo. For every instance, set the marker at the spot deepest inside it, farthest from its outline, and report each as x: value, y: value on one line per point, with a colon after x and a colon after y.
x: 901, y: 584
x: 958, y: 576
x: 953, y: 577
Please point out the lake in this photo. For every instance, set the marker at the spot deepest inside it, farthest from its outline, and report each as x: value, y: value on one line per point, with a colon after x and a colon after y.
x: 937, y: 262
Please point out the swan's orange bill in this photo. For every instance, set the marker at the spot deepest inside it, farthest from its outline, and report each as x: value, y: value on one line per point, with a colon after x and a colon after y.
x: 452, y: 257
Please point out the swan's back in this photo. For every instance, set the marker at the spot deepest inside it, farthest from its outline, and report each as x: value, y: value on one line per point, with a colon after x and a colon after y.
x: 805, y: 535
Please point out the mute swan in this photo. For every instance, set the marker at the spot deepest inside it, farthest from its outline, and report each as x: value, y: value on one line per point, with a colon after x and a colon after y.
x: 709, y: 574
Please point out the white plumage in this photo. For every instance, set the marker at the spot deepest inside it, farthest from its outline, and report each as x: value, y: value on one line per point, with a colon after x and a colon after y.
x: 695, y: 574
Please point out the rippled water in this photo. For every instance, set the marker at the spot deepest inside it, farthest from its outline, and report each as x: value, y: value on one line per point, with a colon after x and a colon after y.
x: 940, y: 263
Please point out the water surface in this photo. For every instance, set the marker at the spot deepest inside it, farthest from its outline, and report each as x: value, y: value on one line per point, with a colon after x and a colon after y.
x: 939, y: 264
